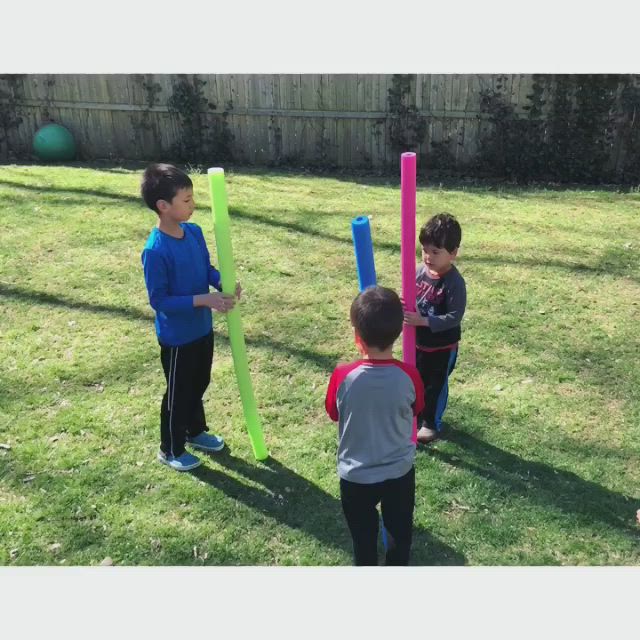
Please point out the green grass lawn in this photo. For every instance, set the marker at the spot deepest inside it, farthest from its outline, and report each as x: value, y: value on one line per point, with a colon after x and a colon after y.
x: 542, y: 464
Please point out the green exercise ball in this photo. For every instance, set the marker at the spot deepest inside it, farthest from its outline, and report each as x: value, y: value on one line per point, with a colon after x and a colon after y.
x: 54, y: 142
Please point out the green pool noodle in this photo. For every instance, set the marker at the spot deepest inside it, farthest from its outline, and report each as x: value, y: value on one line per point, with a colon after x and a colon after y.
x: 222, y: 230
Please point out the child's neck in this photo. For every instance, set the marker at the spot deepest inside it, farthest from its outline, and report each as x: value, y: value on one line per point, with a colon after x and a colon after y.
x: 170, y: 227
x: 375, y: 354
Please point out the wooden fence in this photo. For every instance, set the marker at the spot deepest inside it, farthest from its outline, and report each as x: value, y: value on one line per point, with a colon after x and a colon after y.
x: 328, y: 120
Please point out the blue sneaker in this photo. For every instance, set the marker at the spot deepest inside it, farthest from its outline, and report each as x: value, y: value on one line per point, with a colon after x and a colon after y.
x: 206, y: 442
x: 184, y: 462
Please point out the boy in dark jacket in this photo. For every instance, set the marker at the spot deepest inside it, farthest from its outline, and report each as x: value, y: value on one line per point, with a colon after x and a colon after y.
x: 441, y: 300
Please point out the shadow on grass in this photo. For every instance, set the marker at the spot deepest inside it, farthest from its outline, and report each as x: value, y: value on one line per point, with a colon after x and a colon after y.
x: 324, y: 362
x: 100, y: 208
x: 244, y: 214
x: 299, y: 504
x: 67, y: 515
x: 386, y: 176
x: 120, y: 197
x: 611, y: 262
x: 85, y: 509
x: 432, y: 179
x: 607, y: 363
x: 540, y: 483
x: 47, y: 299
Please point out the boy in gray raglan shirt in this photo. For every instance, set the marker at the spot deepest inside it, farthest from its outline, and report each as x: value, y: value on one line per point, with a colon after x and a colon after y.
x: 374, y: 401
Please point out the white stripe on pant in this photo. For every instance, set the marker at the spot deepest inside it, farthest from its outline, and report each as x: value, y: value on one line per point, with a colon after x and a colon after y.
x: 171, y: 390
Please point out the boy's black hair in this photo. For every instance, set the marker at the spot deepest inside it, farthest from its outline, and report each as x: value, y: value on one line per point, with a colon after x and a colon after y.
x: 377, y: 316
x: 162, y: 182
x: 442, y: 230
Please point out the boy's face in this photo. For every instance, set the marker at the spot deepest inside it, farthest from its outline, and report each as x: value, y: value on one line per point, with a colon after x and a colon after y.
x: 438, y: 259
x: 181, y: 208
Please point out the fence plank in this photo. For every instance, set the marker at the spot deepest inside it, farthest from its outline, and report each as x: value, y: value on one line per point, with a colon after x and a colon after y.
x: 307, y: 95
x: 343, y: 118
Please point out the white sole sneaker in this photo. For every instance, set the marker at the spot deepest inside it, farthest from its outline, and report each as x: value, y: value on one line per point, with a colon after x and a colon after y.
x: 178, y: 467
x: 204, y: 448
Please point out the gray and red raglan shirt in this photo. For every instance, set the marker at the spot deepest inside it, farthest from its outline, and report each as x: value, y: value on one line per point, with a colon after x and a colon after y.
x: 442, y: 300
x: 374, y: 402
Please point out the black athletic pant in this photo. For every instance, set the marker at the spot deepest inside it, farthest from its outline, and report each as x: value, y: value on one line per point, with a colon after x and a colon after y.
x: 397, y: 499
x: 435, y: 367
x: 187, y: 369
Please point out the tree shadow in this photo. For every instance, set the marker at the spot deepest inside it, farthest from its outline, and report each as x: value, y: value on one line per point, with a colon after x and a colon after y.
x: 610, y: 262
x: 300, y: 504
x: 596, y: 363
x: 120, y: 197
x: 324, y: 362
x: 385, y: 176
x: 283, y: 495
x: 389, y: 176
x: 101, y: 209
x: 47, y: 299
x: 540, y: 483
x: 62, y: 500
x: 244, y: 214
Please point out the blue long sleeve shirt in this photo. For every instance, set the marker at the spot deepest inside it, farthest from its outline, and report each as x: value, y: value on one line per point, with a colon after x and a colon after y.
x: 176, y: 270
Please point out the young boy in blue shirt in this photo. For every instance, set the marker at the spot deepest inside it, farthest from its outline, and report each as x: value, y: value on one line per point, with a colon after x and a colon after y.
x: 178, y: 274
x: 441, y: 301
x: 374, y: 401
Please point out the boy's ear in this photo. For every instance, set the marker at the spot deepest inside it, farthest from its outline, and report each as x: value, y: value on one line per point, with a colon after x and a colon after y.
x: 162, y: 205
x: 359, y: 343
x: 454, y: 253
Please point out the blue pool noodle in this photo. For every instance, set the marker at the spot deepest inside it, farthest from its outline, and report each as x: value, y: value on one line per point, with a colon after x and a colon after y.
x: 363, y: 247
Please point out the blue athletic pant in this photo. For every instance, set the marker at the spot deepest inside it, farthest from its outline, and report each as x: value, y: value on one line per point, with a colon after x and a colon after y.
x: 435, y: 367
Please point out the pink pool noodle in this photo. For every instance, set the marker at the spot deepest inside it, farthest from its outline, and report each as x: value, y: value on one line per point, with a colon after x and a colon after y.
x: 408, y: 255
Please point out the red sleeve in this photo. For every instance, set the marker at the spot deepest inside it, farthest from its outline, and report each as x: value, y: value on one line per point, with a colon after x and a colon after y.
x: 418, y: 405
x: 337, y: 378
x: 330, y: 402
x: 413, y: 373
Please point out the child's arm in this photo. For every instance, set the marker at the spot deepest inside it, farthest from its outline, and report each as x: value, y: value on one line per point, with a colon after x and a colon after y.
x: 418, y: 386
x: 157, y: 281
x: 214, y: 277
x: 216, y: 282
x: 416, y: 319
x: 330, y: 401
x: 213, y: 274
x: 217, y: 301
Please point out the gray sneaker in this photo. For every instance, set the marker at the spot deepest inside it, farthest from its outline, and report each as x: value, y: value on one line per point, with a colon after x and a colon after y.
x: 427, y: 435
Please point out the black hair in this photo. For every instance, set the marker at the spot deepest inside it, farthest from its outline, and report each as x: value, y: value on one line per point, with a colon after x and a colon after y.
x: 162, y: 182
x: 442, y: 231
x: 377, y: 316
